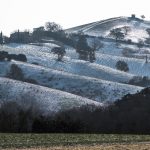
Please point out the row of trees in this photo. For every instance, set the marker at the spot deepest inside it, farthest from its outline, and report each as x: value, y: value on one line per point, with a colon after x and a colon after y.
x: 50, y: 30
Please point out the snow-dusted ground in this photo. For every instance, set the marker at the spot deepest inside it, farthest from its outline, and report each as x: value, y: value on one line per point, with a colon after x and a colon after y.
x: 95, y: 89
x: 102, y: 28
x: 136, y: 66
x: 99, y: 81
x: 48, y: 100
x: 69, y: 65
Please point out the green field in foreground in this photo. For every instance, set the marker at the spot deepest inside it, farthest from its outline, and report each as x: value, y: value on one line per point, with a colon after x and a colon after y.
x: 46, y: 140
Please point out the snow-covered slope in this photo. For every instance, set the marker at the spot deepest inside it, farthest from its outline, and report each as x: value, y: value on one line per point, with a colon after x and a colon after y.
x: 136, y: 66
x: 102, y: 28
x: 43, y: 57
x: 48, y: 100
x: 95, y: 89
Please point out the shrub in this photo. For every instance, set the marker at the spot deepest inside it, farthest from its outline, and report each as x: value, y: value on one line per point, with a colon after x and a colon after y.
x: 3, y: 55
x: 123, y: 66
x: 129, y: 41
x: 35, y: 63
x: 22, y: 57
x: 15, y: 73
x: 9, y: 57
x: 12, y: 56
x: 29, y: 80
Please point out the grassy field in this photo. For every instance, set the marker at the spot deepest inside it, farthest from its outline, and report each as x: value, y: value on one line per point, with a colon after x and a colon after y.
x: 71, y: 141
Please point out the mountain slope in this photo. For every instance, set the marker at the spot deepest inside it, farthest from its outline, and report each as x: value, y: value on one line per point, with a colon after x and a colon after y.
x: 95, y: 89
x: 43, y: 57
x: 49, y: 100
x: 102, y: 28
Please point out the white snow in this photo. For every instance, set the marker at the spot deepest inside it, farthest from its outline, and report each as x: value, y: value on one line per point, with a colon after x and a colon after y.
x: 93, y: 88
x: 50, y: 100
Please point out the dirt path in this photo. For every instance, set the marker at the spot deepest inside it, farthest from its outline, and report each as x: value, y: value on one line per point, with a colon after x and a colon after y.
x: 136, y: 146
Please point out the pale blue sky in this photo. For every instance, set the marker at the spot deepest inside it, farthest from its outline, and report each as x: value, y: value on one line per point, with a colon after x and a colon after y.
x: 26, y: 14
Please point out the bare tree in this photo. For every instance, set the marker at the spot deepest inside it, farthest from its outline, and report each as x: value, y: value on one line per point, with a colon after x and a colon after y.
x: 53, y: 27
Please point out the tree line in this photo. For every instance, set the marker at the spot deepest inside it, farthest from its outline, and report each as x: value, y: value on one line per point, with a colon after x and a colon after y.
x: 128, y: 115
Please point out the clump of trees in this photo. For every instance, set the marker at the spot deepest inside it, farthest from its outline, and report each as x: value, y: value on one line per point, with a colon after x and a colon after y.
x: 82, y: 48
x: 50, y: 30
x: 122, y: 65
x: 5, y: 56
x: 117, y: 34
x: 85, y: 51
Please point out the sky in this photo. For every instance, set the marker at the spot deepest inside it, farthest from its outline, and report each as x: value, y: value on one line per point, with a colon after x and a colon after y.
x: 27, y: 14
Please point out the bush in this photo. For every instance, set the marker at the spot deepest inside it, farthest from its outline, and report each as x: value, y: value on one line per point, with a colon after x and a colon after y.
x: 3, y: 55
x: 129, y: 41
x: 123, y: 66
x: 35, y: 63
x: 12, y: 56
x: 22, y: 57
x: 29, y: 80
x: 15, y: 73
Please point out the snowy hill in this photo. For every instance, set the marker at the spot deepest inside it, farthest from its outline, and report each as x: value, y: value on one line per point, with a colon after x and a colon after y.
x: 93, y: 88
x: 73, y: 82
x: 50, y: 100
x: 102, y: 28
x: 42, y: 56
